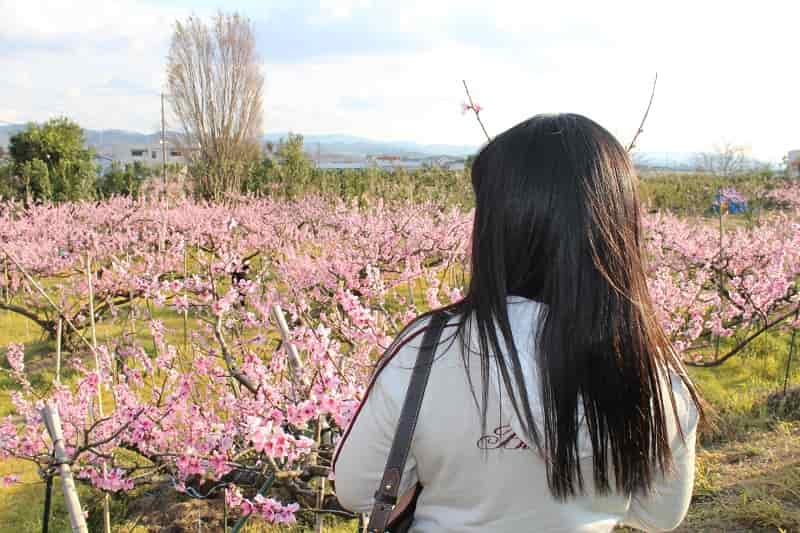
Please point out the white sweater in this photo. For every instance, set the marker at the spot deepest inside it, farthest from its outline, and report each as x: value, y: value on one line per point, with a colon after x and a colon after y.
x: 494, y: 482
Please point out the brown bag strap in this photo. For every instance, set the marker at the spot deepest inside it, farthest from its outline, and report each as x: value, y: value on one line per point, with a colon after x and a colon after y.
x: 386, y: 495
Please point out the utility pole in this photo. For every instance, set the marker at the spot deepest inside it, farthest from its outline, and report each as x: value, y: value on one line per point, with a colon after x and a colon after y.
x: 163, y: 146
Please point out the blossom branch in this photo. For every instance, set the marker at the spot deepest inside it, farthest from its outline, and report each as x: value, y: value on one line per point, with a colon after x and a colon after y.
x: 476, y: 108
x: 739, y: 347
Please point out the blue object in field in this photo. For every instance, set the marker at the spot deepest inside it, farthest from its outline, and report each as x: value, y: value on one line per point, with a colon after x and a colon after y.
x: 734, y: 205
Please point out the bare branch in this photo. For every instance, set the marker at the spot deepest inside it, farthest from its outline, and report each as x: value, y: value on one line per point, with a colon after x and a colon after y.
x: 46, y: 325
x: 632, y: 145
x: 739, y: 347
x: 215, y: 84
x: 229, y: 362
x: 49, y: 300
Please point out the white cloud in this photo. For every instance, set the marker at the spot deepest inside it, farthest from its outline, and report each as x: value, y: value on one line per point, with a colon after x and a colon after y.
x: 339, y: 9
x: 9, y: 115
x: 393, y: 70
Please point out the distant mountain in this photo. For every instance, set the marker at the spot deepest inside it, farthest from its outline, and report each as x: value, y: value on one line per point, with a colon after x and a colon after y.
x: 348, y: 145
x: 688, y: 161
x: 93, y: 137
x: 351, y: 145
x: 106, y: 137
x: 339, y: 146
x: 670, y: 160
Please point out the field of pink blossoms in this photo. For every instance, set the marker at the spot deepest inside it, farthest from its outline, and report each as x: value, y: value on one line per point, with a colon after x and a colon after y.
x: 203, y: 393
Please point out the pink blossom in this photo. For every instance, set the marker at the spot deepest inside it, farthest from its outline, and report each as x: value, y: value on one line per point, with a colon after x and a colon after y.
x: 16, y: 357
x: 341, y: 273
x: 261, y: 436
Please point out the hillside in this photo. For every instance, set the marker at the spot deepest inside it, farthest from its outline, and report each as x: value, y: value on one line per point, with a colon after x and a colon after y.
x: 349, y: 147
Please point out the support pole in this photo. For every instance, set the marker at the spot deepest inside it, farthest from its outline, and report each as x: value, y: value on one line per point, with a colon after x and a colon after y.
x: 319, y: 519
x: 90, y: 276
x: 283, y: 328
x: 791, y: 353
x: 53, y: 424
x: 58, y: 350
x: 185, y: 295
x: 296, y: 364
x: 48, y: 493
x: 163, y: 147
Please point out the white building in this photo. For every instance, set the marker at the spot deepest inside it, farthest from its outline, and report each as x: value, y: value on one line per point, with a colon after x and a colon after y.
x: 148, y: 154
x: 144, y: 153
x: 793, y: 163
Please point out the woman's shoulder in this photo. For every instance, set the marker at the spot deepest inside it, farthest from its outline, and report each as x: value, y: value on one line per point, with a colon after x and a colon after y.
x: 405, y: 348
x: 394, y: 370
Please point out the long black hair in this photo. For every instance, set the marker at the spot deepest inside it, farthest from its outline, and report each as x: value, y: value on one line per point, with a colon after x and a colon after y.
x: 557, y: 220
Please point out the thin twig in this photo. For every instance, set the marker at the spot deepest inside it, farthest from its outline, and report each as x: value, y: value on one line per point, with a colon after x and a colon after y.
x: 49, y: 300
x: 108, y: 439
x: 791, y: 352
x: 632, y: 145
x: 229, y: 361
x: 476, y: 111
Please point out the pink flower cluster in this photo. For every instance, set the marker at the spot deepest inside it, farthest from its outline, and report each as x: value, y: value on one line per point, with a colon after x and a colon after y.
x: 225, y: 394
x: 113, y: 481
x: 269, y: 509
x: 474, y: 107
x: 15, y: 355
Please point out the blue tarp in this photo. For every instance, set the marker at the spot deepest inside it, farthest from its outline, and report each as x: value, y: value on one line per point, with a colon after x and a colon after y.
x: 734, y: 206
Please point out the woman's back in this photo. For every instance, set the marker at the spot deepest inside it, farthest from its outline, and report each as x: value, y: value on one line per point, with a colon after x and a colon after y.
x: 491, y: 480
x: 579, y: 403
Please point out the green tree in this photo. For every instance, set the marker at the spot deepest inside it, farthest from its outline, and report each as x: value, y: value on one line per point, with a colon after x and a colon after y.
x: 284, y: 169
x: 125, y: 180
x: 294, y: 168
x: 36, y: 180
x: 261, y: 177
x: 8, y: 188
x: 59, y: 145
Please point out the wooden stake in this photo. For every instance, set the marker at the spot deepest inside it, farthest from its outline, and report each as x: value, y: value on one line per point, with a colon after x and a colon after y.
x: 8, y: 285
x: 319, y: 518
x: 283, y: 328
x: 721, y: 285
x: 58, y: 351
x: 39, y: 288
x: 53, y: 424
x: 294, y: 361
x: 130, y: 300
x: 89, y: 276
x: 791, y: 353
x: 185, y: 295
x: 224, y: 515
x: 48, y: 497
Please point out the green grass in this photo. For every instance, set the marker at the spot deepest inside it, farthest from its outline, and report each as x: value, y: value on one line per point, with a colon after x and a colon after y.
x: 737, y: 389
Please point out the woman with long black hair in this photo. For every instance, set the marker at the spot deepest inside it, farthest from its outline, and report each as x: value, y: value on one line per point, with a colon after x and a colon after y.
x: 555, y: 401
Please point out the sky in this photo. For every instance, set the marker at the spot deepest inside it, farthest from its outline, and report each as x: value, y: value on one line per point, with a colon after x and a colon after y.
x: 728, y: 71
